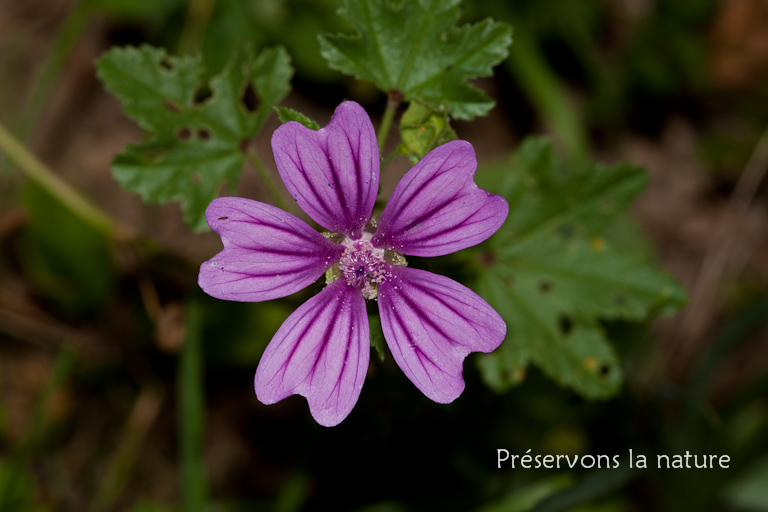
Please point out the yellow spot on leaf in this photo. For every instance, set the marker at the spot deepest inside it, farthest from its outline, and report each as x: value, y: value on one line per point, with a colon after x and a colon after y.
x: 590, y: 364
x: 598, y: 244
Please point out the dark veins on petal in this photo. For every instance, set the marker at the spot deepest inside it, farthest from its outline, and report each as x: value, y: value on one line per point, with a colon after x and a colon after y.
x: 425, y: 319
x: 337, y: 305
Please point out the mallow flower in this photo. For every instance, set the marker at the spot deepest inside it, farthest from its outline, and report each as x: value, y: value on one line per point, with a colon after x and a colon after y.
x: 430, y: 322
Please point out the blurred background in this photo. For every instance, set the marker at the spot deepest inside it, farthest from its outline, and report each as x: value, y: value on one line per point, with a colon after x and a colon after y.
x: 98, y: 413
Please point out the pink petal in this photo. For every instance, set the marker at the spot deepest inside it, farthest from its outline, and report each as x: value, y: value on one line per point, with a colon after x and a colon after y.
x: 437, y: 208
x: 321, y: 352
x: 268, y: 253
x: 431, y: 323
x: 333, y: 173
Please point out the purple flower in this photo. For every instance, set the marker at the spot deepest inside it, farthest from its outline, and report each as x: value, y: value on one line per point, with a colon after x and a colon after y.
x: 430, y: 322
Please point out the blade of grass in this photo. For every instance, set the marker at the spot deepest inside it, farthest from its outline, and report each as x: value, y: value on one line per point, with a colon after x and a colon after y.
x: 294, y: 492
x: 62, y: 368
x: 18, y: 459
x: 737, y: 331
x: 195, y: 25
x: 123, y: 460
x: 191, y: 413
x: 595, y: 485
x: 58, y: 188
x: 68, y: 35
x: 548, y: 96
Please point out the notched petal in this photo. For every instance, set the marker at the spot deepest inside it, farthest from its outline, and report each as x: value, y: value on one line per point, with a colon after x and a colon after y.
x: 332, y: 173
x: 431, y: 323
x: 320, y: 352
x: 437, y: 208
x: 268, y: 253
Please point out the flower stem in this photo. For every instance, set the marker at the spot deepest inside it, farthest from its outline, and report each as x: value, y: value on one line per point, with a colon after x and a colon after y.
x: 264, y: 175
x: 38, y: 172
x: 393, y: 101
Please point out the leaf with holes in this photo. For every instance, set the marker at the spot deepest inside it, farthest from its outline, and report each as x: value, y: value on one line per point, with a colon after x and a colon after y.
x: 196, y: 133
x: 554, y: 273
x: 416, y: 49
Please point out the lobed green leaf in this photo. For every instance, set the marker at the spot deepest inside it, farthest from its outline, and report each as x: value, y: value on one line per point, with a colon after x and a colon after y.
x: 286, y: 114
x: 414, y: 48
x: 196, y: 133
x: 554, y: 275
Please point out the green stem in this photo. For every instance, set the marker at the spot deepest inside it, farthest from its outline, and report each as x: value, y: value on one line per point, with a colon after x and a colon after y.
x: 264, y: 175
x: 393, y: 101
x: 58, y: 188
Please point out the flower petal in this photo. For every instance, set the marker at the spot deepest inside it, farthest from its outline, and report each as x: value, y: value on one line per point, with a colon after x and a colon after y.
x: 320, y: 352
x: 431, y: 323
x: 268, y: 253
x: 437, y: 208
x: 333, y: 173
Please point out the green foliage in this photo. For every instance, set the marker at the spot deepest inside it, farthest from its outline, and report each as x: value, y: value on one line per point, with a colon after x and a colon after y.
x: 196, y: 133
x: 665, y: 55
x: 377, y: 337
x: 286, y: 114
x: 553, y: 274
x: 147, y: 10
x: 242, y: 330
x: 150, y: 507
x: 524, y: 499
x: 293, y: 24
x: 68, y: 262
x: 748, y: 492
x: 191, y: 396
x: 415, y: 48
x: 17, y: 488
x: 422, y: 129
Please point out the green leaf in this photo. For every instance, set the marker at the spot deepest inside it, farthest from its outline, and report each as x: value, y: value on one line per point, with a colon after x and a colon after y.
x: 422, y: 129
x: 525, y: 498
x: 196, y: 133
x: 581, y: 497
x: 415, y: 48
x: 17, y: 487
x: 150, y: 507
x: 748, y: 490
x: 553, y: 273
x: 66, y: 260
x: 286, y: 114
x: 377, y: 337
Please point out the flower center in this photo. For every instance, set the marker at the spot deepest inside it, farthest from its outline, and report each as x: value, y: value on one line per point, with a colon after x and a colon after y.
x: 362, y: 265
